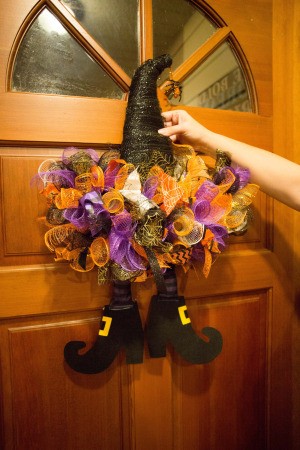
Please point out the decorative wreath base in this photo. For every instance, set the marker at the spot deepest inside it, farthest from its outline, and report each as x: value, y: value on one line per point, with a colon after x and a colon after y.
x: 100, y: 214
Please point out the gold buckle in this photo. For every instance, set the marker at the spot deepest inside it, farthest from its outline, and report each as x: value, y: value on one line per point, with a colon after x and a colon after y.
x: 183, y: 317
x: 106, y: 328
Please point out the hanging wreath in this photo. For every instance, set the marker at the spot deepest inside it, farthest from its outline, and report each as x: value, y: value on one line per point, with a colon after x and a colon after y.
x: 101, y: 214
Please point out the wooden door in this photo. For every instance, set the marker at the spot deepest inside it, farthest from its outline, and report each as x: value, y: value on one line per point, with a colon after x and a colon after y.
x: 239, y: 401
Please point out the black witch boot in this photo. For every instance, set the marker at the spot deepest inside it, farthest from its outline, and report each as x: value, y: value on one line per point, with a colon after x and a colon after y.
x: 168, y: 323
x: 120, y: 327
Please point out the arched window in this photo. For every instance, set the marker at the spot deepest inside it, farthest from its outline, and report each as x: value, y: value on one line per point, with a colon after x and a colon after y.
x: 90, y: 48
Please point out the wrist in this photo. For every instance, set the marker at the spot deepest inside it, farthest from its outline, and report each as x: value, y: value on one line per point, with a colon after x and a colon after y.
x: 208, y: 143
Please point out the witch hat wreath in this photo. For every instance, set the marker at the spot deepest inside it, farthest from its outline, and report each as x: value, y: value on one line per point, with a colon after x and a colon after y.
x: 143, y: 147
x: 139, y: 212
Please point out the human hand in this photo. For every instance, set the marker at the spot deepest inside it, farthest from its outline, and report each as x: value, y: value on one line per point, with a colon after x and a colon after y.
x: 180, y: 126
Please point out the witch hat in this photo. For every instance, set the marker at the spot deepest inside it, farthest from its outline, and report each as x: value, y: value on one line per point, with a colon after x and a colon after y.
x: 142, y: 145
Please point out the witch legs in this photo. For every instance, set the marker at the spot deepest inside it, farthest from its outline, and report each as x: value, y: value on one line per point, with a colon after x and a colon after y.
x: 169, y: 323
x: 121, y: 327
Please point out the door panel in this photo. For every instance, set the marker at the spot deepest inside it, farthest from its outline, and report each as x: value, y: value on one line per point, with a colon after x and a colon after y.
x: 46, y: 395
x: 42, y: 408
x: 200, y: 395
x: 235, y: 402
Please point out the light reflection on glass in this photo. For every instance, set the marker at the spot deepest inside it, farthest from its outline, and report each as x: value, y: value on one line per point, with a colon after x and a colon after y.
x: 49, y: 23
x: 49, y: 60
x: 217, y: 83
x: 179, y: 28
x: 114, y: 25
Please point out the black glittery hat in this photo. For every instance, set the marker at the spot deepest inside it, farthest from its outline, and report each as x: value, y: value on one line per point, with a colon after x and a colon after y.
x: 142, y: 145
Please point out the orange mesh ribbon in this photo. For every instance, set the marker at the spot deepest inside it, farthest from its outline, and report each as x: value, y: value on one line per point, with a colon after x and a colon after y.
x: 76, y: 265
x: 50, y: 191
x: 194, y: 236
x: 122, y: 175
x: 171, y: 192
x: 83, y: 182
x: 113, y: 165
x: 68, y: 198
x: 207, y: 262
x: 196, y: 167
x: 58, y: 235
x: 241, y: 201
x: 97, y: 177
x: 227, y: 182
x: 100, y: 251
x: 113, y: 201
x: 220, y: 207
x: 245, y: 196
x: 209, y: 245
x: 183, y: 222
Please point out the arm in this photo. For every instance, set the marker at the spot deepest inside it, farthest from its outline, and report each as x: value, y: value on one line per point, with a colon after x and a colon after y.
x: 277, y: 176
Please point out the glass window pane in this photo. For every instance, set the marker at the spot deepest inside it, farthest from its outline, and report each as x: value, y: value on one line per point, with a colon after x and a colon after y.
x: 218, y: 83
x: 113, y: 24
x: 179, y: 28
x: 49, y: 60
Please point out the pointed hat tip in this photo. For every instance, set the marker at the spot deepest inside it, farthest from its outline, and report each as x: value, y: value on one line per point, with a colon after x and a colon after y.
x: 143, y: 116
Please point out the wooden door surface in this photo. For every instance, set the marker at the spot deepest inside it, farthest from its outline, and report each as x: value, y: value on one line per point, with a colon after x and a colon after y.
x: 240, y: 401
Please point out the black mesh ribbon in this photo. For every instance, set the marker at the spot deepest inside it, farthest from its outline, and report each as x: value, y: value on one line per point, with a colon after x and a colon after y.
x: 143, y: 117
x: 156, y: 270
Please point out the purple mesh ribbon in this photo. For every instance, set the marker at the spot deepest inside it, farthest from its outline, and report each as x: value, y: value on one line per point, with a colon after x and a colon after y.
x: 171, y: 236
x: 122, y: 224
x: 242, y: 177
x: 110, y: 177
x: 201, y: 209
x: 121, y: 250
x: 207, y: 191
x: 60, y: 177
x: 90, y: 213
x: 198, y: 253
x: 220, y: 233
x: 150, y: 187
x: 204, y: 211
x: 77, y: 217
